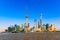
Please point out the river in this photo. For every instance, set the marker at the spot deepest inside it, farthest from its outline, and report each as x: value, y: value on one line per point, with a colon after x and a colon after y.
x: 30, y: 36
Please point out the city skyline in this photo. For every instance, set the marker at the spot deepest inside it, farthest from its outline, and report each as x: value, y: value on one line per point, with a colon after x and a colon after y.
x: 14, y: 12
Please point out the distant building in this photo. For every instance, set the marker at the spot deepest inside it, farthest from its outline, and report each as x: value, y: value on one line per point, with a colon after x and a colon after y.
x: 52, y: 27
x: 47, y: 26
x: 16, y: 27
x: 43, y: 27
x: 21, y: 28
x: 38, y: 25
x: 35, y: 23
x: 11, y: 28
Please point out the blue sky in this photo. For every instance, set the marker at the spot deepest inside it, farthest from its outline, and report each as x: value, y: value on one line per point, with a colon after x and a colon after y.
x: 14, y: 11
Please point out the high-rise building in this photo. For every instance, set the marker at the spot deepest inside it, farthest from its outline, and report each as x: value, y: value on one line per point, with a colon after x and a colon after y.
x: 38, y: 25
x: 35, y: 23
x: 26, y: 19
x: 43, y: 27
x: 41, y: 21
x: 21, y: 28
x: 47, y: 26
x: 52, y: 27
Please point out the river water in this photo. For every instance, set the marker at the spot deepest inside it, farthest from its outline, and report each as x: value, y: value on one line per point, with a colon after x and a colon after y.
x: 30, y: 36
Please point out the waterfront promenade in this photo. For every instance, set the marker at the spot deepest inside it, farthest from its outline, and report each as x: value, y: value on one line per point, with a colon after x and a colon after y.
x: 30, y: 36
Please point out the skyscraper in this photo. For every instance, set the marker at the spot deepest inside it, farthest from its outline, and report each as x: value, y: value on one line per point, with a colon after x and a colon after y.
x: 35, y: 23
x: 41, y: 21
x: 38, y: 25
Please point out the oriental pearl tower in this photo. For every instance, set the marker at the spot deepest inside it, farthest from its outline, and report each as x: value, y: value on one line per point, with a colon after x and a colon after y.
x: 27, y: 19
